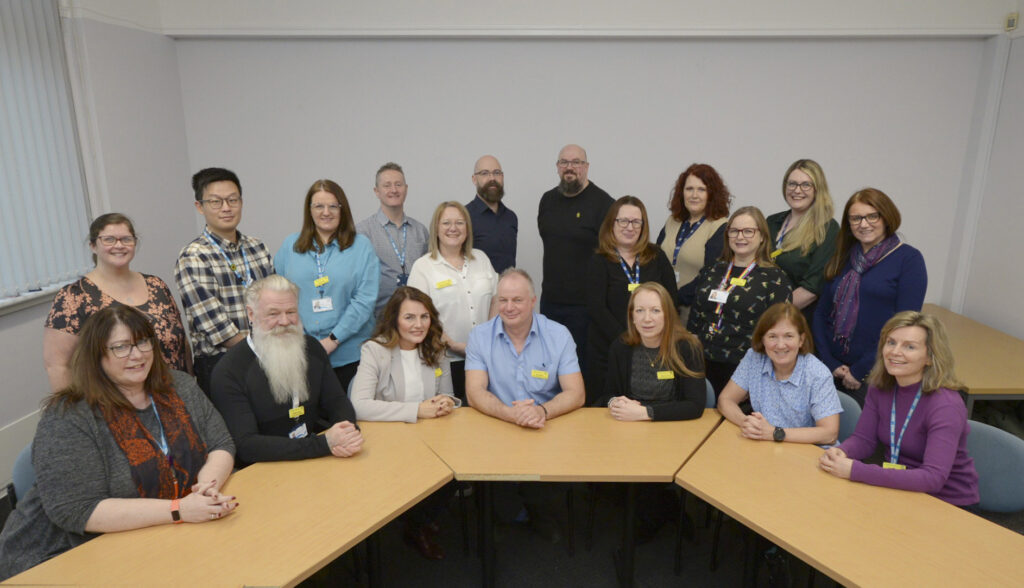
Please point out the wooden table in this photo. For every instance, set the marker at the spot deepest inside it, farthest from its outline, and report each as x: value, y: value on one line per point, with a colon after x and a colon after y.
x: 989, y: 361
x: 293, y: 518
x: 586, y: 445
x: 859, y: 535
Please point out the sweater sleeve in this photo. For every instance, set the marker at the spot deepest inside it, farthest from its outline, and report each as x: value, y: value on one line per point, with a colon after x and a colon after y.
x: 821, y: 327
x: 334, y: 400
x: 862, y: 443
x: 364, y: 389
x: 205, y: 417
x: 597, y: 298
x: 945, y: 425
x: 366, y: 273
x: 913, y: 283
x: 690, y: 391
x: 618, y: 372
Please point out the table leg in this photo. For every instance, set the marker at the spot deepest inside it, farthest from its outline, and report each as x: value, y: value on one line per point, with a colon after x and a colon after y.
x: 487, y: 540
x: 373, y: 572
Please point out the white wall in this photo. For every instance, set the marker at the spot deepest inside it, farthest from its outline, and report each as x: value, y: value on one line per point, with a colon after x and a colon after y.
x: 894, y: 114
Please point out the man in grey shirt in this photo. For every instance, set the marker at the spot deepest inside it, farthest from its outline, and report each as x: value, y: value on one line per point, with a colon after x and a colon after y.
x: 398, y: 240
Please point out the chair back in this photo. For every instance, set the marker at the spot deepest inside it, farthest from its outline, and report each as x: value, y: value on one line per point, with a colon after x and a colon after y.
x: 849, y: 417
x: 709, y: 399
x: 999, y: 458
x: 23, y: 475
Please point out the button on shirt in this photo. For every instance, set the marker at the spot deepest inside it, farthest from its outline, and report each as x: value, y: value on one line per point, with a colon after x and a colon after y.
x: 806, y: 397
x: 549, y: 349
x: 377, y: 228
x: 494, y: 233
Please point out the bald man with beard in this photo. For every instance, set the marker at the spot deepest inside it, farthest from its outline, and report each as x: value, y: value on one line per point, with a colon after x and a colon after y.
x: 495, y: 226
x: 276, y: 389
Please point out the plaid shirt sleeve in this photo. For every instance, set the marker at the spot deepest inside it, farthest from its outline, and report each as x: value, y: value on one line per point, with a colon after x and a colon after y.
x: 209, y: 302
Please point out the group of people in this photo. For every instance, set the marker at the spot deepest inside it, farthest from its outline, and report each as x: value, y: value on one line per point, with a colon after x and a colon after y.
x: 389, y: 319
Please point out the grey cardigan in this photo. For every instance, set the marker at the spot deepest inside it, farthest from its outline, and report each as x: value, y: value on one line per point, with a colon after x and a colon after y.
x: 378, y: 389
x: 77, y: 464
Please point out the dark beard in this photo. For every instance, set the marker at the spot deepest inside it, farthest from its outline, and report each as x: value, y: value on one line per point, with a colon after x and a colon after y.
x: 569, y: 188
x: 491, y: 192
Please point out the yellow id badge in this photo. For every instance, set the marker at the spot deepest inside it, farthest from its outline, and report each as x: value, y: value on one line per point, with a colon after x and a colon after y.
x: 738, y: 281
x: 443, y: 284
x: 666, y: 375
x: 632, y: 287
x: 296, y: 412
x: 776, y: 253
x: 437, y: 372
x: 540, y: 374
x: 893, y: 466
x: 321, y: 281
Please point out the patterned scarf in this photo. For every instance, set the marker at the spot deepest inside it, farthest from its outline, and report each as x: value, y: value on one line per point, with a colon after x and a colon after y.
x: 154, y: 474
x: 847, y: 301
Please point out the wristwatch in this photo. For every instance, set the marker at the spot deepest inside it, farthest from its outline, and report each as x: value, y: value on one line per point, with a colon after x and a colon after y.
x: 779, y: 434
x: 332, y: 337
x: 176, y: 510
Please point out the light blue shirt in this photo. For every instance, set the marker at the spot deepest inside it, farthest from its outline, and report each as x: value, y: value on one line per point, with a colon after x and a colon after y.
x: 807, y: 396
x: 354, y: 277
x: 549, y: 350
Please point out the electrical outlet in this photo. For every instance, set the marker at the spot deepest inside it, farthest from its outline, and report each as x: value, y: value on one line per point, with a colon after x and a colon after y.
x: 1011, y: 21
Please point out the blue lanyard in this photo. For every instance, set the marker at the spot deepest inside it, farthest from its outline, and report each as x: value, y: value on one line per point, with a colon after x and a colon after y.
x: 320, y: 266
x: 247, y: 278
x: 894, y: 443
x: 635, y: 277
x: 163, y: 439
x: 782, y: 233
x: 685, y: 232
x: 405, y: 234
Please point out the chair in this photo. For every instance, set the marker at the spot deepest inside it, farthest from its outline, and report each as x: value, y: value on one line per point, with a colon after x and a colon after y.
x: 849, y: 417
x: 710, y: 401
x: 999, y: 458
x: 22, y: 476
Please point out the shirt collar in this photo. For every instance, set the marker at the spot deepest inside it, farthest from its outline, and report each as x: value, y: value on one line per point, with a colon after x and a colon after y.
x: 217, y: 240
x: 500, y: 330
x: 796, y: 378
x: 384, y: 220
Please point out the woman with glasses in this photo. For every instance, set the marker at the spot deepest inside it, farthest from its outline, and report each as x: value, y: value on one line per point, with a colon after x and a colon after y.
x: 113, y: 242
x: 694, y: 234
x: 804, y: 237
x: 872, y: 275
x: 338, y: 275
x: 625, y: 258
x: 732, y: 294
x: 129, y: 443
x: 459, y: 280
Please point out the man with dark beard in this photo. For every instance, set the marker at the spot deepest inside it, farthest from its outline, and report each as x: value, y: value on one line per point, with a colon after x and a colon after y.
x: 569, y: 218
x: 277, y: 390
x: 495, y: 226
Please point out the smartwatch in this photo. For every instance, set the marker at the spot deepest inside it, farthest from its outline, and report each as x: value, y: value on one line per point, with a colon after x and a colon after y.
x: 332, y: 337
x: 176, y: 511
x: 779, y: 434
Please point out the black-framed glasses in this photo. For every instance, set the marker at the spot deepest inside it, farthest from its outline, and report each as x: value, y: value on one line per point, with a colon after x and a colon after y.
x: 123, y: 350
x: 218, y: 203
x: 636, y: 223
x: 805, y: 186
x: 872, y: 218
x: 748, y: 233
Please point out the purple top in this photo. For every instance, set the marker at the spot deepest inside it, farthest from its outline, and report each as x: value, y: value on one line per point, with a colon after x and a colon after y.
x: 934, y: 448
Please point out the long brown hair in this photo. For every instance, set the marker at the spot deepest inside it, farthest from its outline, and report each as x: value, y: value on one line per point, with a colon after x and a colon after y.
x: 386, y: 332
x: 673, y: 333
x: 763, y: 256
x: 606, y: 237
x: 88, y: 380
x: 876, y: 199
x: 345, y: 234
x: 718, y: 193
x: 939, y: 374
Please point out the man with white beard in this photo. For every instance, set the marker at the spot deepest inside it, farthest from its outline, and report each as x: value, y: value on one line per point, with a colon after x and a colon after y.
x: 278, y: 391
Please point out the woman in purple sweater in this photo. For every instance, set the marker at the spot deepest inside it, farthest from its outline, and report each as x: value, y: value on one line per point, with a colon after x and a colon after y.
x: 913, y: 407
x: 872, y: 275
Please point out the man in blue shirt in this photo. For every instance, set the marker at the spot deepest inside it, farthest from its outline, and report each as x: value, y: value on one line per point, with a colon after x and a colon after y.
x: 520, y: 366
x: 495, y: 226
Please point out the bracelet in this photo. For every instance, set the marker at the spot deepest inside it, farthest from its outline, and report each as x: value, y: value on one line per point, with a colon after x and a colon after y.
x: 176, y: 511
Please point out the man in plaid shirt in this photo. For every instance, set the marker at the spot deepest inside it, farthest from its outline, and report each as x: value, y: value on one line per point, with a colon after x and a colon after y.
x: 213, y: 270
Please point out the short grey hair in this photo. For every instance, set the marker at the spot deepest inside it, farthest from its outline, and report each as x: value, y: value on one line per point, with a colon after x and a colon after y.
x: 515, y: 271
x: 389, y: 166
x: 273, y: 283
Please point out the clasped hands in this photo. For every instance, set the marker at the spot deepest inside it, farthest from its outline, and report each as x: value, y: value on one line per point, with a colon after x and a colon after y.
x: 436, y: 406
x: 205, y: 503
x: 526, y: 413
x: 835, y: 462
x: 627, y: 409
x: 344, y: 439
x: 843, y: 373
x: 755, y: 426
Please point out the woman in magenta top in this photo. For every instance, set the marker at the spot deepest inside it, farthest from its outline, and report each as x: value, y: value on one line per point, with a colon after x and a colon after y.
x: 913, y: 407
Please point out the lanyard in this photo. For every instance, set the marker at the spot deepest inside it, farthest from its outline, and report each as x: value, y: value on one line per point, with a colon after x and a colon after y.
x: 685, y: 232
x: 163, y: 439
x: 782, y: 232
x: 894, y: 443
x: 405, y: 234
x: 247, y: 278
x: 728, y: 285
x: 633, y: 278
x: 320, y: 263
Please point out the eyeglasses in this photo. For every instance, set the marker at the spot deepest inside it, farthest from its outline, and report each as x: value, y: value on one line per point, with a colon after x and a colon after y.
x: 748, y: 233
x: 110, y: 240
x: 571, y: 163
x: 448, y: 224
x: 872, y: 218
x: 320, y: 208
x: 488, y: 173
x: 804, y: 186
x: 629, y: 222
x: 123, y: 350
x: 217, y: 203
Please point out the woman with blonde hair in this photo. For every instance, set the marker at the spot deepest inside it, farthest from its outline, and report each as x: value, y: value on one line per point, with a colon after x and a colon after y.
x: 656, y: 369
x: 804, y: 237
x: 914, y: 408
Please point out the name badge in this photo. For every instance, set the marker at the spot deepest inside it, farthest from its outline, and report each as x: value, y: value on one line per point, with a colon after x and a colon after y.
x: 893, y: 466
x: 632, y: 287
x: 298, y: 432
x: 738, y: 281
x: 322, y: 304
x: 776, y: 253
x: 294, y: 413
x: 719, y: 296
x: 444, y: 284
x: 437, y: 372
x: 666, y: 375
x: 539, y: 374
x: 321, y: 281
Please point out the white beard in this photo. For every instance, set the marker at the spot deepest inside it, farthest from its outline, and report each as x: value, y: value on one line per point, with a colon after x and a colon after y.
x: 282, y: 355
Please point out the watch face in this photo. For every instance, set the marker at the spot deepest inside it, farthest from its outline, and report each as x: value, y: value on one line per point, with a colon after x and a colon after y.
x: 779, y: 434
